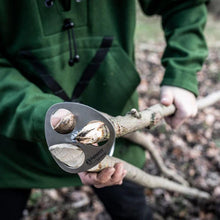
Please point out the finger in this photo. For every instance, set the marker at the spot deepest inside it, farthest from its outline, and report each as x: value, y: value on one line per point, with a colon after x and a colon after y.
x: 118, y: 174
x: 88, y: 178
x: 166, y: 97
x: 63, y: 121
x: 105, y: 175
x: 57, y: 116
x: 178, y: 119
x: 104, y: 178
x: 123, y: 175
x: 55, y: 121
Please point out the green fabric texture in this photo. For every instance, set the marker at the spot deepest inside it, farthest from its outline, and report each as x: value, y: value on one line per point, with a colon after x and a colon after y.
x: 30, y: 27
x: 183, y: 23
x: 186, y: 46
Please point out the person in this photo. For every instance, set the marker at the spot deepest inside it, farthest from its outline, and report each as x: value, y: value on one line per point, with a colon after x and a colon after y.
x: 55, y: 51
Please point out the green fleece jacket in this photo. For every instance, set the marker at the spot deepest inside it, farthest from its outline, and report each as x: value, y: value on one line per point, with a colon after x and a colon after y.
x: 29, y: 27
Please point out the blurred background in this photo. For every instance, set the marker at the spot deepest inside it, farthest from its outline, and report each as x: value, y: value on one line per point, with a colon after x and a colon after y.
x: 193, y: 151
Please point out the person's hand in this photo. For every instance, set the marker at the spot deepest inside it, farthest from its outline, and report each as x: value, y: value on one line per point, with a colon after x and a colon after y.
x: 184, y: 101
x: 107, y: 177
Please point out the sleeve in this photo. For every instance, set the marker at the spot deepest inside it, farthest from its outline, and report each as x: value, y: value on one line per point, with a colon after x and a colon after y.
x: 183, y: 22
x: 186, y: 47
x: 22, y: 105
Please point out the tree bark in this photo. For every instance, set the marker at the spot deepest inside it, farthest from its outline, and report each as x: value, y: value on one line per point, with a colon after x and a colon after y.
x: 141, y: 139
x: 146, y: 180
x: 135, y: 120
x: 70, y: 155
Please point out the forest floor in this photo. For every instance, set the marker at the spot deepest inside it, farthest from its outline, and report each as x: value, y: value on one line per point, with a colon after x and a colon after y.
x: 193, y: 151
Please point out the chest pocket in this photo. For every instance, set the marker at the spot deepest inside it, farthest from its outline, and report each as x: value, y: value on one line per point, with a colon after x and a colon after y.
x: 52, y: 17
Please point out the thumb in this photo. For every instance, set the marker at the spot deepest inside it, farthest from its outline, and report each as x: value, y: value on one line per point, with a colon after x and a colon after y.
x: 56, y: 117
x: 166, y: 96
x: 59, y: 116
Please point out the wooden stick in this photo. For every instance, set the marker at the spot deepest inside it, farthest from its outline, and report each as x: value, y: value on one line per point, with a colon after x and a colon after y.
x: 141, y: 139
x: 146, y: 180
x: 124, y: 124
x: 67, y: 154
x: 208, y: 100
x: 135, y: 120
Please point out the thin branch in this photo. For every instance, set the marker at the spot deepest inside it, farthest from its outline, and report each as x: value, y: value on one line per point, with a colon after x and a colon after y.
x: 141, y: 139
x: 130, y: 122
x: 208, y: 100
x: 64, y: 152
x: 146, y: 180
